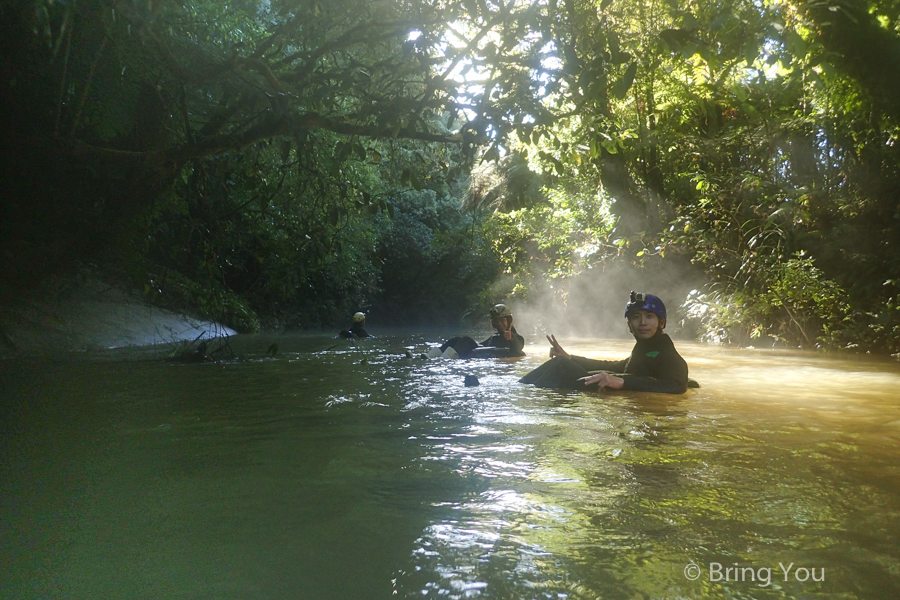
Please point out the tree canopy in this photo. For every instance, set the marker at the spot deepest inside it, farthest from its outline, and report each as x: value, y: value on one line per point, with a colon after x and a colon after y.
x: 272, y: 155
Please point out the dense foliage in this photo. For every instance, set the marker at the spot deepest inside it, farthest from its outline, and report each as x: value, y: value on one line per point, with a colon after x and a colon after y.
x: 236, y: 153
x: 289, y: 162
x: 754, y: 138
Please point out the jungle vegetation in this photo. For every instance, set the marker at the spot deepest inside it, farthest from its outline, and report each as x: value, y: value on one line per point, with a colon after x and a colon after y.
x: 289, y: 161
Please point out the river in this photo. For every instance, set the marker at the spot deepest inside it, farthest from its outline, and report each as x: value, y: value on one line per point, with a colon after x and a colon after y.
x: 344, y: 471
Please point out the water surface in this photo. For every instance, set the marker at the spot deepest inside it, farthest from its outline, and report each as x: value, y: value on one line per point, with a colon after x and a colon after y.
x: 344, y: 471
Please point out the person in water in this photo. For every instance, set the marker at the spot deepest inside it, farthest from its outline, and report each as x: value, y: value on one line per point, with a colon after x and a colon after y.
x: 654, y: 364
x: 506, y: 341
x: 357, y: 328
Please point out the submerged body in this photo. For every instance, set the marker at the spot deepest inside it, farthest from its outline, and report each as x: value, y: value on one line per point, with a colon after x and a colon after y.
x: 654, y: 366
x: 357, y: 329
x: 505, y: 343
x: 496, y: 346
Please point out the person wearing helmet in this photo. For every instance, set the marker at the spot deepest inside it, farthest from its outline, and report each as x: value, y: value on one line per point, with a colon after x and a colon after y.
x: 506, y: 339
x: 357, y: 328
x: 654, y: 364
x: 506, y: 342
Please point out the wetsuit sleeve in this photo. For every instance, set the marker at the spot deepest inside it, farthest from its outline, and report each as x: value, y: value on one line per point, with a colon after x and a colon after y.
x: 498, y: 341
x: 590, y: 364
x: 673, y: 378
x: 491, y: 341
x: 517, y: 343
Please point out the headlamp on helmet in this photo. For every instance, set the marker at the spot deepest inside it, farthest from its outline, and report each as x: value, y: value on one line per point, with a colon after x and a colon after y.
x: 641, y: 301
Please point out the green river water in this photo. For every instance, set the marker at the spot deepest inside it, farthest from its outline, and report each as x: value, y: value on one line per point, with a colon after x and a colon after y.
x: 354, y: 473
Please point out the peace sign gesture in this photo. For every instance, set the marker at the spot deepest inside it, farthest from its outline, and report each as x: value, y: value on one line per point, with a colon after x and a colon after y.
x: 555, y: 348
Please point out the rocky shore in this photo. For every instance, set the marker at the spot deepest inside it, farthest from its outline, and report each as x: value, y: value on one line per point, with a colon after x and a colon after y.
x: 79, y: 314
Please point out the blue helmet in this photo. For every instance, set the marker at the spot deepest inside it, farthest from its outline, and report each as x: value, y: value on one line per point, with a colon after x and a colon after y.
x: 649, y: 302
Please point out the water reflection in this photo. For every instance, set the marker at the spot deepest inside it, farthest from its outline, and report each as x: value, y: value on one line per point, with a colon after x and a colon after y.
x: 350, y: 471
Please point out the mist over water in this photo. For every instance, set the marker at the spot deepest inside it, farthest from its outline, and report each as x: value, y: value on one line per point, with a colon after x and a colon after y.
x: 592, y: 304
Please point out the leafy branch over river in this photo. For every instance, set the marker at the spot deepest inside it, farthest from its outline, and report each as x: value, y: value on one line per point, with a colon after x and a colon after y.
x: 285, y: 163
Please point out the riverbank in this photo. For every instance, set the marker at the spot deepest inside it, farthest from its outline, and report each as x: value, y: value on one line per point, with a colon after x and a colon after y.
x: 83, y: 313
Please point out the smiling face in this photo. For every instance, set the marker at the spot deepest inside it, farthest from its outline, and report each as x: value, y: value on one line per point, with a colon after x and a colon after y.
x: 502, y: 324
x: 644, y: 324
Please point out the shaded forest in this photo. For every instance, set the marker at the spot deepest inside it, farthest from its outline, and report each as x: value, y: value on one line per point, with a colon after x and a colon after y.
x: 284, y: 163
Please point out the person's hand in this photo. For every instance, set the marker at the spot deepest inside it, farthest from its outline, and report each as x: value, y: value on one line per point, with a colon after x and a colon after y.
x: 503, y: 326
x: 604, y: 380
x: 555, y: 348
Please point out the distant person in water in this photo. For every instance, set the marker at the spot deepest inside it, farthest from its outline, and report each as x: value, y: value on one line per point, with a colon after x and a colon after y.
x: 357, y: 328
x: 654, y: 364
x: 506, y: 341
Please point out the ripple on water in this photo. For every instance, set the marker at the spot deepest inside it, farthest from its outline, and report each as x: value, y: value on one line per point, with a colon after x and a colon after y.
x: 340, y: 471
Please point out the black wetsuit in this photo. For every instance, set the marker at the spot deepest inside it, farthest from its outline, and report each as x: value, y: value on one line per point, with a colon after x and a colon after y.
x: 466, y: 347
x: 355, y: 330
x: 654, y: 366
x: 514, y: 344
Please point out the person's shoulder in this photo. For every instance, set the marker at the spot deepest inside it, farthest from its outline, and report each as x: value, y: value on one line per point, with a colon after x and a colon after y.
x: 671, y: 343
x: 662, y: 341
x: 668, y: 346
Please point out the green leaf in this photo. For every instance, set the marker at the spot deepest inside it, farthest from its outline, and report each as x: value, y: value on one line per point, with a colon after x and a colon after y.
x: 751, y: 53
x: 795, y: 43
x: 573, y: 64
x: 342, y: 151
x: 675, y: 38
x: 718, y: 22
x: 613, y: 45
x: 285, y: 150
x: 416, y: 181
x: 620, y: 89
